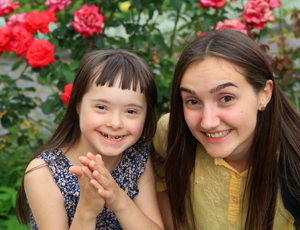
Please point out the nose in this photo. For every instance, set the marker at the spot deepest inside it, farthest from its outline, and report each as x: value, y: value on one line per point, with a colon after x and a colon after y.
x: 114, y: 121
x: 210, y: 117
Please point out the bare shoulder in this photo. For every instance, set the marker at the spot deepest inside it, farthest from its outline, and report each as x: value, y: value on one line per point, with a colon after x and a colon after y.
x: 44, y: 196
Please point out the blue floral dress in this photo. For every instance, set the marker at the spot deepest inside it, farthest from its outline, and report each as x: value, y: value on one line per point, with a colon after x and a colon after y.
x: 126, y: 175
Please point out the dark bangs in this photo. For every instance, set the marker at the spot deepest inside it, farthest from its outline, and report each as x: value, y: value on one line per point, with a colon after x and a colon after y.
x: 134, y: 73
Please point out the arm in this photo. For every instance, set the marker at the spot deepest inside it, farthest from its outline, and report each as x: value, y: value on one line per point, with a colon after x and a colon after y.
x: 47, y: 202
x: 140, y: 213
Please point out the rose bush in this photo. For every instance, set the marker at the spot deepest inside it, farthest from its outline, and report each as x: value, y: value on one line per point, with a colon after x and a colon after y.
x: 47, y: 39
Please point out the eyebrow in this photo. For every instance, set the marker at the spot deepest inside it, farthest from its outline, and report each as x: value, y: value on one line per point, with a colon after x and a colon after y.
x: 222, y: 86
x: 107, y: 102
x: 216, y: 89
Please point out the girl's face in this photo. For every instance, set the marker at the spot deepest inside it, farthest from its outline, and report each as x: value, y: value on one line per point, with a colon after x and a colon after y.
x: 111, y: 119
x: 220, y: 108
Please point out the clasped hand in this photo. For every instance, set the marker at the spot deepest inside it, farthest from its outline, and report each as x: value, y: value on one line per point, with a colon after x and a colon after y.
x: 97, y: 187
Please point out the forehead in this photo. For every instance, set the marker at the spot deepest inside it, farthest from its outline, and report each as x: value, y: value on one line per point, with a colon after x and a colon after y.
x: 211, y: 72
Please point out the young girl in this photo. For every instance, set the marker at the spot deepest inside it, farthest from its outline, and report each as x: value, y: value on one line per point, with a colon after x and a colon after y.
x: 232, y: 156
x: 110, y: 113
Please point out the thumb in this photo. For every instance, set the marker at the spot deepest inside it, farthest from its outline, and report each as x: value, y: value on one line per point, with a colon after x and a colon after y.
x: 76, y: 170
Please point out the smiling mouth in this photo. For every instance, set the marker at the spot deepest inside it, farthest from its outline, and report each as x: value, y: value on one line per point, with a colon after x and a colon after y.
x: 118, y: 138
x: 218, y: 135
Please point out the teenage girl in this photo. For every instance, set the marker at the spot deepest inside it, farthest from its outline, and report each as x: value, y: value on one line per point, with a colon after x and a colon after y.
x: 231, y: 141
x: 110, y: 114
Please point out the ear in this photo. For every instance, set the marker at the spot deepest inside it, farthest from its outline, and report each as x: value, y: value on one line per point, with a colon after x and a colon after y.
x: 265, y: 95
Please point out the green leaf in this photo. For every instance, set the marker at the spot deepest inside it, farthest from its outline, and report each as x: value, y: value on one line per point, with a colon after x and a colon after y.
x: 12, y: 138
x: 13, y: 129
x: 24, y: 110
x: 137, y: 4
x: 159, y: 40
x: 25, y: 77
x: 48, y: 106
x: 16, y: 65
x: 70, y: 76
x: 74, y: 65
x: 4, y: 196
x: 13, y: 92
x: 31, y: 89
x: 138, y: 42
x: 176, y: 4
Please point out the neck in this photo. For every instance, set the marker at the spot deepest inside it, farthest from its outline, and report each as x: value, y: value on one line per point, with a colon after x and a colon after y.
x: 239, y: 165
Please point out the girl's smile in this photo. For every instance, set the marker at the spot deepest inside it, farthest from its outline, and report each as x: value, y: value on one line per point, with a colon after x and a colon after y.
x: 111, y: 120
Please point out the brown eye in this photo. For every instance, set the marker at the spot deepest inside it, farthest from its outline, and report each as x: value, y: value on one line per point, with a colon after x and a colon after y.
x: 226, y: 99
x: 192, y: 102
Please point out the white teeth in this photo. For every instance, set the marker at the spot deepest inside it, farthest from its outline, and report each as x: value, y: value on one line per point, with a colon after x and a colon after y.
x: 112, y: 138
x: 217, y: 135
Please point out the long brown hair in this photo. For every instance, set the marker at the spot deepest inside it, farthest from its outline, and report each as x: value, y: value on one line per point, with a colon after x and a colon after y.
x: 99, y: 67
x: 278, y: 124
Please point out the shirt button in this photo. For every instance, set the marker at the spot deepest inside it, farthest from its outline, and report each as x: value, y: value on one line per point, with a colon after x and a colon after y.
x: 237, y: 176
x: 235, y: 199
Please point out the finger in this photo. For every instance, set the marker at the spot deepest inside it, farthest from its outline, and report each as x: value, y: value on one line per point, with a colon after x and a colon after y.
x: 84, y: 160
x: 96, y: 184
x: 102, y: 180
x: 90, y: 156
x: 76, y: 170
x: 87, y: 172
x: 105, y: 194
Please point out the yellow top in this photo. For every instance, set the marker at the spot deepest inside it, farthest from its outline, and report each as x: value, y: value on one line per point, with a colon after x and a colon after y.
x: 217, y: 190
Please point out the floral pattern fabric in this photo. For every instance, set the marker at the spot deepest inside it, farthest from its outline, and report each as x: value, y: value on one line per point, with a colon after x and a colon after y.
x: 126, y: 175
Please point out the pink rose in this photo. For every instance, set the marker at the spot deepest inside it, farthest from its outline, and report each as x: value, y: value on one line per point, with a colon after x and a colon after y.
x: 67, y: 92
x: 88, y: 21
x: 5, y: 36
x: 14, y: 20
x: 217, y: 4
x: 39, y: 21
x: 20, y: 40
x: 7, y: 7
x: 40, y: 53
x: 57, y: 5
x: 257, y: 13
x: 233, y: 24
x: 273, y: 3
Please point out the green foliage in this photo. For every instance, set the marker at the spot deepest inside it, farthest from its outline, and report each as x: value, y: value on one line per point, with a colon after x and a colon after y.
x: 156, y: 30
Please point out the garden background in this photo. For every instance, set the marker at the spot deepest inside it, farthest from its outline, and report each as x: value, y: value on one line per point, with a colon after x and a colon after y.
x: 42, y: 42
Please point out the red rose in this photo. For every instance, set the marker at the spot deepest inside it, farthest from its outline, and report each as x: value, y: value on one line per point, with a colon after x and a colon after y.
x: 7, y: 7
x: 20, y: 40
x: 257, y: 13
x: 233, y: 24
x: 217, y: 4
x: 57, y: 5
x: 273, y: 3
x: 87, y: 20
x: 5, y: 36
x: 67, y: 92
x: 40, y: 53
x: 39, y: 21
x: 14, y: 20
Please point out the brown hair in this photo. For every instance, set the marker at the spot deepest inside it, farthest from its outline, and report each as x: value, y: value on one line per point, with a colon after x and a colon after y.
x: 100, y: 67
x: 278, y: 124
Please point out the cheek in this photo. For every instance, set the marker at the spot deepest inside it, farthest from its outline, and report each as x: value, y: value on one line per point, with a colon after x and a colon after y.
x: 192, y: 118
